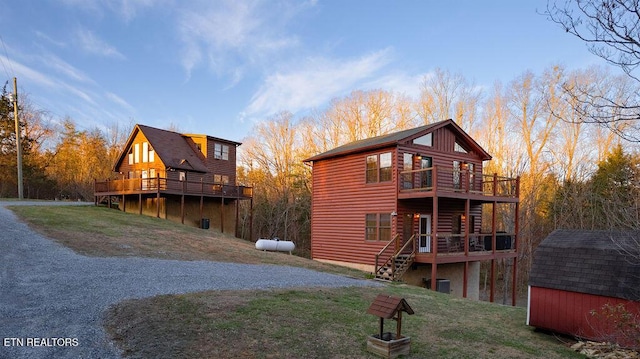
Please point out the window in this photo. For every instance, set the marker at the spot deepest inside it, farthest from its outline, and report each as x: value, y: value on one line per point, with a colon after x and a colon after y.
x: 426, y: 140
x: 407, y: 166
x: 372, y: 169
x: 131, y: 156
x: 221, y: 152
x: 183, y: 176
x: 458, y: 148
x: 152, y: 154
x: 472, y: 176
x: 456, y: 174
x: 378, y: 227
x: 136, y: 153
x: 379, y: 168
x: 371, y: 226
x: 384, y: 229
x: 224, y: 179
x: 145, y: 152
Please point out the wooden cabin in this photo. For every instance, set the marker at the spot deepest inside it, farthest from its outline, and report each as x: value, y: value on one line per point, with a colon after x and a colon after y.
x: 187, y: 178
x: 575, y: 273
x: 415, y: 206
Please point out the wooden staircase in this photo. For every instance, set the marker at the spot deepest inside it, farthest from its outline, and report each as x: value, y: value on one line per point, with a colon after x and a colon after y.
x: 398, y: 259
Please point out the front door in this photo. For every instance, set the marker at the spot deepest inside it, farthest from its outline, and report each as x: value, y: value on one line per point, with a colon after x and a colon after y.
x: 424, y: 234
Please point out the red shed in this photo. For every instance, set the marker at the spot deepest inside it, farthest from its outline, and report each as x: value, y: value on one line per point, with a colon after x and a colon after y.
x: 577, y: 272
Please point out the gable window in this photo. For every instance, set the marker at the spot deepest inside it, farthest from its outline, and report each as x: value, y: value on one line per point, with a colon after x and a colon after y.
x: 152, y: 154
x: 458, y: 148
x: 379, y: 168
x: 145, y: 152
x: 456, y: 174
x: 183, y: 176
x: 131, y: 156
x: 426, y: 140
x: 378, y: 227
x: 221, y: 152
x: 136, y: 153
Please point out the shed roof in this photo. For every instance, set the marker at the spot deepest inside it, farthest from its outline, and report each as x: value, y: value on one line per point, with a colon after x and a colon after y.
x: 593, y: 262
x: 386, y: 306
x: 396, y: 138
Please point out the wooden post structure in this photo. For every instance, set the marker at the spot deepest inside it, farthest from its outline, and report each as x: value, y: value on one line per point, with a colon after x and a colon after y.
x: 222, y: 212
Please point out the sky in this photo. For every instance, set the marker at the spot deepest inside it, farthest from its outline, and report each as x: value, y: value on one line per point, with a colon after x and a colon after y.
x: 218, y: 67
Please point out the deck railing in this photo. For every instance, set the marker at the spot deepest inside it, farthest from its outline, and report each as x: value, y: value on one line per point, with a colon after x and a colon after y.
x: 158, y: 184
x: 455, y: 243
x: 463, y: 181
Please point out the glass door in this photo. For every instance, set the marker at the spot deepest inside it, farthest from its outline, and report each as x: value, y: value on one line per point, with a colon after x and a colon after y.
x: 424, y: 234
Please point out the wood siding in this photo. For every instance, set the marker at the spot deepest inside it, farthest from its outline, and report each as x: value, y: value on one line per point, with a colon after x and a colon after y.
x: 137, y: 168
x: 570, y: 312
x: 341, y: 199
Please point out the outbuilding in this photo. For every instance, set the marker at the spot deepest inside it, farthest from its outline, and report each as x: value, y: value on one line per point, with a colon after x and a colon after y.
x: 577, y: 274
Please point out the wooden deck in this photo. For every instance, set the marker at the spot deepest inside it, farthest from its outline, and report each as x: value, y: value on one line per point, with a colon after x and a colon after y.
x: 159, y: 185
x: 445, y: 182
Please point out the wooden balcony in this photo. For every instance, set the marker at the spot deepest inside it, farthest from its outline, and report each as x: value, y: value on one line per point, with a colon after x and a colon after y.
x: 450, y: 247
x: 168, y: 186
x: 446, y: 182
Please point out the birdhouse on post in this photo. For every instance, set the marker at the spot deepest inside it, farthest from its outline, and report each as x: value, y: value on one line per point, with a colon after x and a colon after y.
x: 389, y: 345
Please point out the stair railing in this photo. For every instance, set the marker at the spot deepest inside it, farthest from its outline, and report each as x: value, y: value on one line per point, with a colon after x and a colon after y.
x: 393, y: 241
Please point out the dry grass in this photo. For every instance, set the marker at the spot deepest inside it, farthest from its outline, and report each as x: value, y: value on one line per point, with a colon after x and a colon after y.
x: 301, y: 323
x: 320, y: 323
x: 103, y: 232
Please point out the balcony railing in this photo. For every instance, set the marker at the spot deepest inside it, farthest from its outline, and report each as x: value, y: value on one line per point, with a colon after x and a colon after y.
x: 448, y: 180
x: 154, y: 185
x: 449, y: 243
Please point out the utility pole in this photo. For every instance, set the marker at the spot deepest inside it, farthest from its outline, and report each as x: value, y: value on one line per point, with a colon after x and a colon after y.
x: 18, y: 130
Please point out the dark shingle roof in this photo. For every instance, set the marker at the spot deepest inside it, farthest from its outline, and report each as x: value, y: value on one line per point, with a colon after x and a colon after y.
x: 394, y: 139
x: 173, y: 149
x: 386, y: 306
x: 592, y: 262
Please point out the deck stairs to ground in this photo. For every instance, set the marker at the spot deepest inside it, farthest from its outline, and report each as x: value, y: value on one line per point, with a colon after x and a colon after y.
x: 394, y: 260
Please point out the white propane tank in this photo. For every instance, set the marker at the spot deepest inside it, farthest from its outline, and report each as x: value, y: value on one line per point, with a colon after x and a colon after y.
x: 275, y: 244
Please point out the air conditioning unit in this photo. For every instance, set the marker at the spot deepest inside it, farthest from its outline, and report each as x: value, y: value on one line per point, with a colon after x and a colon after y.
x: 442, y: 285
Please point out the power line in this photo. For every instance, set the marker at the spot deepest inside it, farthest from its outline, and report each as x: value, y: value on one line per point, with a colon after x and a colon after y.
x: 6, y: 54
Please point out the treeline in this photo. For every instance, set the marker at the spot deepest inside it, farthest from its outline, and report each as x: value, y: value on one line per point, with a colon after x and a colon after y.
x: 570, y: 171
x: 59, y: 160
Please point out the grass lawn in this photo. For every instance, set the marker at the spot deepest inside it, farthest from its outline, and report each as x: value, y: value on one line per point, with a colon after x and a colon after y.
x: 294, y: 323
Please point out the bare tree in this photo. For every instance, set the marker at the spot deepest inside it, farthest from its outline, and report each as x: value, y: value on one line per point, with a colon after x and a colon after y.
x: 611, y: 30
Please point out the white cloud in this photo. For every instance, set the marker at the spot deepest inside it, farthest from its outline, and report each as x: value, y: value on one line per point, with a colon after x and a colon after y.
x: 231, y: 35
x: 65, y: 68
x: 94, y: 45
x: 119, y: 101
x: 316, y: 82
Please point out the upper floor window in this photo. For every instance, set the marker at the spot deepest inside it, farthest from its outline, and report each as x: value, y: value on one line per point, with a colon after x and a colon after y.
x: 221, y: 152
x: 378, y: 227
x: 131, y: 156
x: 379, y: 168
x: 221, y: 179
x: 426, y: 140
x: 458, y: 148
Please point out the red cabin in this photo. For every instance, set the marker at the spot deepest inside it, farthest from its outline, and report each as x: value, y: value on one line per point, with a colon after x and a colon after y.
x: 414, y: 206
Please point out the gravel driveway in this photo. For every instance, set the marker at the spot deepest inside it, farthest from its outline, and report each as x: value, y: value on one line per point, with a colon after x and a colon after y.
x: 52, y: 299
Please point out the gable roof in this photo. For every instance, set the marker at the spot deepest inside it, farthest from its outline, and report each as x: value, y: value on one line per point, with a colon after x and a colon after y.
x: 173, y: 149
x: 386, y: 306
x: 592, y: 262
x: 396, y: 138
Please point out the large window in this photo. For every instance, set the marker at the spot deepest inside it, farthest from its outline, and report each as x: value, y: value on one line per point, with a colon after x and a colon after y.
x: 221, y: 152
x: 379, y: 168
x: 378, y: 227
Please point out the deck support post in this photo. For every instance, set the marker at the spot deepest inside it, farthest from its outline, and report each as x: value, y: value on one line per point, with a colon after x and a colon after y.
x: 201, y: 208
x: 222, y: 213
x: 492, y: 286
x: 237, y: 213
x: 124, y: 203
x: 434, y: 244
x: 465, y: 279
x: 140, y: 203
x: 158, y: 195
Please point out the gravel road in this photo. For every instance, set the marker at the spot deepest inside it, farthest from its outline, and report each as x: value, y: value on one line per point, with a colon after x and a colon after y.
x: 52, y: 300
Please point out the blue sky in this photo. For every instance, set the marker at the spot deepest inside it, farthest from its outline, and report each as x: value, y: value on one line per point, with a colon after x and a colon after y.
x: 216, y: 67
